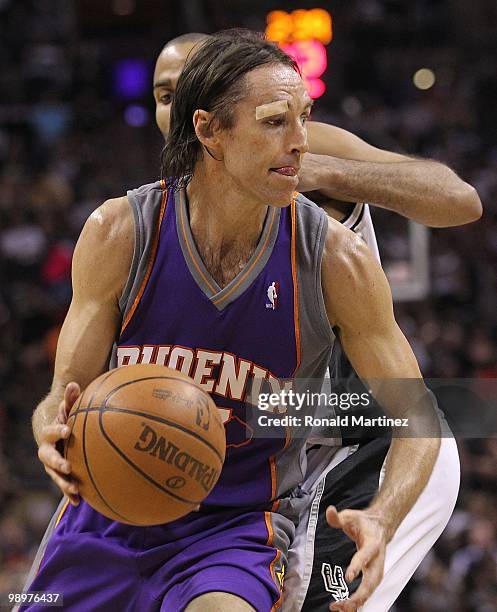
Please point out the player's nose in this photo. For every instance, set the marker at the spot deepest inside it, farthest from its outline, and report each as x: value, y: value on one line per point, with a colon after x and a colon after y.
x: 299, y: 142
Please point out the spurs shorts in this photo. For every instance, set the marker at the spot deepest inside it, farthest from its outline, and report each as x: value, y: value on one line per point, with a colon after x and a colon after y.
x: 320, y: 555
x: 100, y: 565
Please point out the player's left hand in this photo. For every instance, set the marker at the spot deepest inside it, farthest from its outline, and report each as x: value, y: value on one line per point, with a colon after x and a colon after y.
x: 368, y: 532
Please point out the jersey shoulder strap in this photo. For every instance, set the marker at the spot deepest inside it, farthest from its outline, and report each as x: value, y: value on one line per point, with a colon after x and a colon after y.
x: 146, y: 203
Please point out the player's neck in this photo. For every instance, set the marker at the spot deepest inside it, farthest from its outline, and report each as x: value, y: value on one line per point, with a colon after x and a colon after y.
x: 221, y: 213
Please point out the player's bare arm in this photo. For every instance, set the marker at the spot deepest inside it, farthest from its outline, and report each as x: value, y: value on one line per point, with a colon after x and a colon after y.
x: 359, y: 306
x: 343, y: 167
x: 100, y: 268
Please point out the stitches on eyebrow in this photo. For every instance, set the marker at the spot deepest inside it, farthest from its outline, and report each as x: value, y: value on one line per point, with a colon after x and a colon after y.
x: 273, y: 108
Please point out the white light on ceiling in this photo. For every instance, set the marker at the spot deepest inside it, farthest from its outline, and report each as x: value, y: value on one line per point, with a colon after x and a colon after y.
x: 424, y: 78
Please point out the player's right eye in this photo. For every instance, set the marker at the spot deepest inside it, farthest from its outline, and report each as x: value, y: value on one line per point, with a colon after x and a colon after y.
x: 166, y: 97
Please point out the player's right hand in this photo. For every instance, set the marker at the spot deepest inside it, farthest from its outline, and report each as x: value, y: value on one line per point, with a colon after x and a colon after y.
x: 58, y: 468
x: 367, y: 530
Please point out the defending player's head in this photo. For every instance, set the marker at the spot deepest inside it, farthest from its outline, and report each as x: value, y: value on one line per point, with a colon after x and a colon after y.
x: 239, y: 114
x: 168, y: 67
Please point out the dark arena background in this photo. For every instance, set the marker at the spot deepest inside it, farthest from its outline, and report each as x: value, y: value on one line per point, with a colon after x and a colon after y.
x: 77, y: 127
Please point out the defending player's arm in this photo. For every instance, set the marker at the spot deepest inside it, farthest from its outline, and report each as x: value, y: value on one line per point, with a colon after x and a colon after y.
x: 345, y: 168
x: 100, y: 267
x: 359, y: 306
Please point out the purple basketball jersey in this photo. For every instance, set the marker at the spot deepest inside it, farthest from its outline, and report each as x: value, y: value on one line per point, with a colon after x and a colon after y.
x: 268, y: 323
x: 228, y: 340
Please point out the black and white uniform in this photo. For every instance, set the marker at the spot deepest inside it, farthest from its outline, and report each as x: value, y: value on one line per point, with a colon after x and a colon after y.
x: 320, y: 555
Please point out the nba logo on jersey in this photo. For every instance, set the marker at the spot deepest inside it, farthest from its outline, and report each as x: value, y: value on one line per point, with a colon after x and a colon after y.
x: 273, y: 292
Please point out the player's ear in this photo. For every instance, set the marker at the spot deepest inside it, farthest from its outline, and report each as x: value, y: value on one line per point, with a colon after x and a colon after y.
x: 207, y: 131
x: 203, y: 124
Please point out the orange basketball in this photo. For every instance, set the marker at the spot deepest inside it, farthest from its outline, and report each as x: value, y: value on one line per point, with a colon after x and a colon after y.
x: 147, y: 444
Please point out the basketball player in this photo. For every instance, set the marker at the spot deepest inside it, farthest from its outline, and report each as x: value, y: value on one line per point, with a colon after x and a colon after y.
x: 422, y: 190
x: 456, y: 202
x: 211, y: 246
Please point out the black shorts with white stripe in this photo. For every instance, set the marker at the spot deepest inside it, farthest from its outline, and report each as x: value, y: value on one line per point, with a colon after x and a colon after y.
x: 350, y: 485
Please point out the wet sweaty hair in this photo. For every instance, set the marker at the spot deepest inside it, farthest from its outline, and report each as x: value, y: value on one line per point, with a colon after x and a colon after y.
x: 212, y: 80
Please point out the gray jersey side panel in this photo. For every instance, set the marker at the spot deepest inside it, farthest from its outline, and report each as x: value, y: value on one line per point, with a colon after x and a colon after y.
x: 316, y: 335
x: 145, y: 203
x: 137, y: 252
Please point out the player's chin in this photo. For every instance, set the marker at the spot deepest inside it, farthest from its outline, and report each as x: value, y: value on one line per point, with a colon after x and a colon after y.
x: 282, y: 189
x: 280, y: 199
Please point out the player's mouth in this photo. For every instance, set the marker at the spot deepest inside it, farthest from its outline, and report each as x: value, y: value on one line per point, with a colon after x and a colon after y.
x: 286, y: 170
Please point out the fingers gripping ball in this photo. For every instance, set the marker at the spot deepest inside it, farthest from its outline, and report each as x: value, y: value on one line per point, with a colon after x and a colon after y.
x: 147, y: 444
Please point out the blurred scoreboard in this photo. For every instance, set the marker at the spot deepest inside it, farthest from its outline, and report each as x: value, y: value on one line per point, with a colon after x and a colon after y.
x: 304, y: 34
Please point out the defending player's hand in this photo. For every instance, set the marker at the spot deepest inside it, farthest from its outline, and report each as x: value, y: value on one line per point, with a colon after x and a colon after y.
x: 367, y: 531
x: 313, y: 169
x: 323, y: 173
x: 55, y: 465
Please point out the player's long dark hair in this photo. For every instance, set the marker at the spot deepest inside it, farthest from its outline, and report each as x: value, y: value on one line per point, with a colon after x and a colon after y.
x: 212, y: 80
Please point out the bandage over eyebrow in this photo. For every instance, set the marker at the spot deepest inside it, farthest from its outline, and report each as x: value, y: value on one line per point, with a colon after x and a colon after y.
x: 273, y: 108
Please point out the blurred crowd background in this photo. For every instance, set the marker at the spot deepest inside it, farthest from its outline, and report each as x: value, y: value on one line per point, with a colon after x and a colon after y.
x: 77, y: 126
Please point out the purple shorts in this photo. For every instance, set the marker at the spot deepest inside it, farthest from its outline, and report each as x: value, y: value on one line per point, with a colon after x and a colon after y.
x: 98, y: 564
